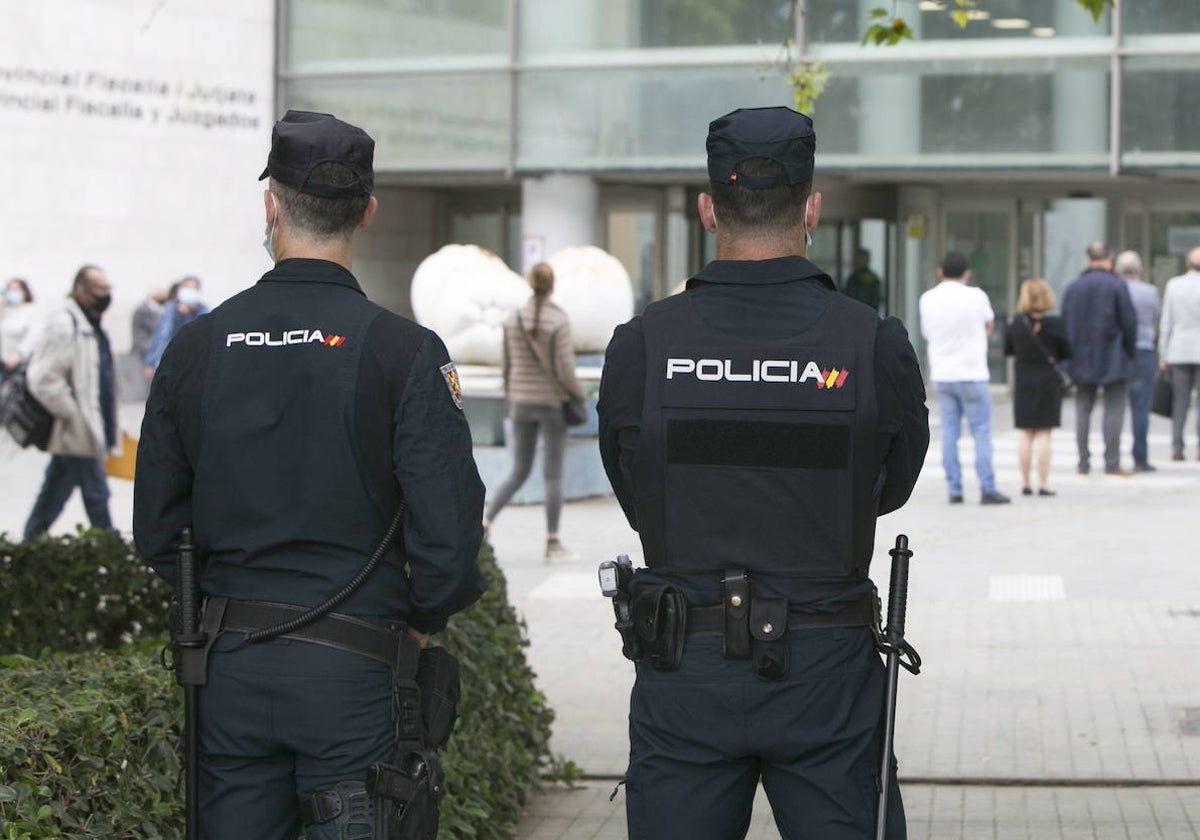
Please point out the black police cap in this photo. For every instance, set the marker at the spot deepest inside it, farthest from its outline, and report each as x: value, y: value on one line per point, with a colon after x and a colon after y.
x: 779, y: 134
x: 303, y: 139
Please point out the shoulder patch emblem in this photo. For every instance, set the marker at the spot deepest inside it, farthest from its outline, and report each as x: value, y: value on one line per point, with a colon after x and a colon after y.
x: 450, y: 374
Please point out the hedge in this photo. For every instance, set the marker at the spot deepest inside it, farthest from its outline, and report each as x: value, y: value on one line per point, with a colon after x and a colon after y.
x: 88, y: 739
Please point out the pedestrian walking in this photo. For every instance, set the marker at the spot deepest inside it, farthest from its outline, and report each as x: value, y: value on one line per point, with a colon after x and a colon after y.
x: 314, y: 444
x: 1102, y: 329
x: 956, y: 321
x: 539, y: 376
x: 1038, y: 342
x: 1128, y: 267
x: 753, y: 428
x: 71, y: 374
x: 18, y: 325
x: 1179, y: 348
x: 182, y: 307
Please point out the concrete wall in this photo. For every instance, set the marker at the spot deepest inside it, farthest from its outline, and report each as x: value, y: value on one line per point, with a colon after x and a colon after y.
x: 131, y: 135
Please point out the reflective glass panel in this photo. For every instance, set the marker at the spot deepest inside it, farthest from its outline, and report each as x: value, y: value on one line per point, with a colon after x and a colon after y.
x: 563, y: 25
x: 1160, y: 17
x: 331, y: 33
x: 454, y: 122
x: 839, y: 21
x: 1161, y: 109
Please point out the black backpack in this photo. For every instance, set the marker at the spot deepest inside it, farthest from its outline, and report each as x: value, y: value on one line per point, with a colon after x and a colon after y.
x: 26, y: 419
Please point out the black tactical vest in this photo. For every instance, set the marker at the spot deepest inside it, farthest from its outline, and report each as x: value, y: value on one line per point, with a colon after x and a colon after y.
x: 278, y: 466
x: 759, y: 454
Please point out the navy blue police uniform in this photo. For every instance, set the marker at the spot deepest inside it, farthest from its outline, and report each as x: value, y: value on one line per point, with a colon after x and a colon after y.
x: 285, y: 428
x: 753, y: 428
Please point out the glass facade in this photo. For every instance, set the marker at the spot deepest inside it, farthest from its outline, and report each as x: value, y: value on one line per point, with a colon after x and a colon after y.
x: 513, y: 86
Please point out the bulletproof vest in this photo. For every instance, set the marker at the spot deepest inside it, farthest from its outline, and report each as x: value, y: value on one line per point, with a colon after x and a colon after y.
x: 278, y: 467
x: 759, y: 454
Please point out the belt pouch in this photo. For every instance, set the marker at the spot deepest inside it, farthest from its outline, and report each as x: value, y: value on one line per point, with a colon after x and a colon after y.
x: 438, y: 679
x: 660, y: 620
x: 736, y: 594
x: 768, y: 626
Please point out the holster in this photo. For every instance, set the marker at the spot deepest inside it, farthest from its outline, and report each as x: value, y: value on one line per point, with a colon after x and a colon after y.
x: 438, y: 681
x: 660, y: 621
x: 407, y: 797
x: 768, y: 627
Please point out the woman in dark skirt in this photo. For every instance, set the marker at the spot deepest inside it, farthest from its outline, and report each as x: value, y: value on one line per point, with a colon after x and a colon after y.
x: 1037, y: 341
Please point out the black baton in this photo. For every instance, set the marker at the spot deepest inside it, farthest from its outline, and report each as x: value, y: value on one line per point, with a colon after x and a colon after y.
x: 189, y: 672
x: 899, y: 652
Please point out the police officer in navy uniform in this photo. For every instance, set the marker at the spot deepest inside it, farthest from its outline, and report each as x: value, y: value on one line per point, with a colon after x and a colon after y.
x: 753, y: 428
x: 285, y: 428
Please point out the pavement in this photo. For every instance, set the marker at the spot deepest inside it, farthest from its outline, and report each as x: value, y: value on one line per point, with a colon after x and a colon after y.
x: 1060, y: 696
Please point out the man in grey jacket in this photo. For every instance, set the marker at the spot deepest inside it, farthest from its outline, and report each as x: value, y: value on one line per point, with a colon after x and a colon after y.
x: 1179, y: 346
x: 71, y: 374
x: 1102, y: 327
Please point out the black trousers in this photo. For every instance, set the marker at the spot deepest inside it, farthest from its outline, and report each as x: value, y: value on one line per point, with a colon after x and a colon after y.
x: 280, y: 720
x: 702, y: 737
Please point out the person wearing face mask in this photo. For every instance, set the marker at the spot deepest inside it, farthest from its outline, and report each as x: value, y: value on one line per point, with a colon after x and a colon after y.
x: 71, y: 373
x: 300, y: 430
x: 183, y: 307
x: 18, y: 321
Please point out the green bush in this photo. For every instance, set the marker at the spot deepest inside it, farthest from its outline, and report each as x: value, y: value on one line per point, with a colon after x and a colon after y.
x: 88, y: 591
x: 88, y: 740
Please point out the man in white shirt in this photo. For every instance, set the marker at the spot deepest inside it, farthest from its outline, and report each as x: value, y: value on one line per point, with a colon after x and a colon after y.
x: 956, y: 320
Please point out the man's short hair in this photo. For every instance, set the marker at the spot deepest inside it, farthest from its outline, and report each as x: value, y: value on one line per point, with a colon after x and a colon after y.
x: 776, y: 210
x: 1098, y: 250
x: 81, y: 276
x: 1129, y: 264
x: 320, y: 216
x: 954, y: 265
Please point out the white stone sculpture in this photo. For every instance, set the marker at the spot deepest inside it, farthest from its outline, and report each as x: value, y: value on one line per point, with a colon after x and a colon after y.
x: 593, y: 288
x: 464, y: 293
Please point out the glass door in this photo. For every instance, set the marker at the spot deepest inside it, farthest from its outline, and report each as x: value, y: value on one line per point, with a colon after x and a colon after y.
x: 633, y: 233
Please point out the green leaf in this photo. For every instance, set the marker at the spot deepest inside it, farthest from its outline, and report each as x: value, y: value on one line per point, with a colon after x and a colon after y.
x: 1096, y: 7
x: 961, y: 18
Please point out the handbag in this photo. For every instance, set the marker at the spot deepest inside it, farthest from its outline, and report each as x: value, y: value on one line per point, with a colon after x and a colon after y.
x: 26, y: 419
x: 574, y: 410
x: 1162, y: 401
x: 1065, y: 385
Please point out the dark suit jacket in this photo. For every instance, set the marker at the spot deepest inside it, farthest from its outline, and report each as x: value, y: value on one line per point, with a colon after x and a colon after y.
x: 1101, y: 326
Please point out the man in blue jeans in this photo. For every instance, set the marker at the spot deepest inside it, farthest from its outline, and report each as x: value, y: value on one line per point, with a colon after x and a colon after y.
x: 956, y: 321
x: 71, y: 374
x: 1145, y: 361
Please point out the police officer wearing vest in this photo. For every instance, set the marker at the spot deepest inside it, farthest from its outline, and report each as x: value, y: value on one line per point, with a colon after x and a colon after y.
x: 289, y: 429
x: 753, y: 428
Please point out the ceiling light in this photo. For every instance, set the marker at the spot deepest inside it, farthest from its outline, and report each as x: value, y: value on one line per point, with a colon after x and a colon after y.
x: 978, y: 14
x: 1042, y: 31
x: 1011, y: 23
x: 931, y: 6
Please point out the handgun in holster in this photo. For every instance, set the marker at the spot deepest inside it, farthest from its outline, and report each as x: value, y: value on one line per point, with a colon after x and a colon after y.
x: 616, y: 576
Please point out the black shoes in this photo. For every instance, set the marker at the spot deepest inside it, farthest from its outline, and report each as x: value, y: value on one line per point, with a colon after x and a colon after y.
x: 956, y: 500
x: 994, y: 498
x: 1177, y: 456
x: 1118, y: 471
x: 1044, y: 492
x: 1026, y: 491
x: 1144, y: 466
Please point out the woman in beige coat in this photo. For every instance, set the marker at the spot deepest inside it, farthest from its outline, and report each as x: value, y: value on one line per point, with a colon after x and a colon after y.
x: 539, y: 375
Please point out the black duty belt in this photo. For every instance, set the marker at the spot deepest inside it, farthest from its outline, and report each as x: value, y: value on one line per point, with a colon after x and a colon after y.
x: 710, y: 621
x: 384, y: 644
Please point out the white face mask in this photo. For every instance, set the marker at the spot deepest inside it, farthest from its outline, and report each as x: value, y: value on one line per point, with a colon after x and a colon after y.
x: 188, y: 296
x: 269, y: 236
x: 14, y: 297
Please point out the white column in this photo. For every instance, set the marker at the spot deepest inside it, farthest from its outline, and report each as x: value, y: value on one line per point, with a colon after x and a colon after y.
x: 1070, y: 225
x: 557, y: 211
